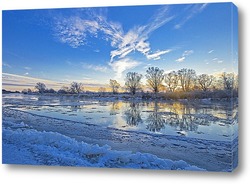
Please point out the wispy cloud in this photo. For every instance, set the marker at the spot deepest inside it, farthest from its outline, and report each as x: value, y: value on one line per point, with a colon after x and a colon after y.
x: 99, y: 68
x: 187, y: 52
x: 136, y: 39
x: 21, y: 82
x: 27, y: 73
x: 191, y: 12
x: 217, y: 60
x: 211, y: 51
x: 122, y: 65
x: 181, y: 59
x: 184, y: 55
x: 75, y: 30
x: 157, y: 54
x: 27, y: 68
x: 7, y: 65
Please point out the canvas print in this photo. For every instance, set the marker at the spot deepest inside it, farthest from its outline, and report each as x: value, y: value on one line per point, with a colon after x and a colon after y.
x: 139, y: 87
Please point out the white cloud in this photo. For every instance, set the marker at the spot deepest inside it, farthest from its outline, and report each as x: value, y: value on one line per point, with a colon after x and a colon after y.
x: 27, y: 68
x: 187, y: 52
x: 217, y: 60
x: 211, y: 51
x: 184, y: 55
x: 157, y: 54
x: 18, y: 82
x: 99, y: 68
x: 191, y: 11
x: 75, y: 30
x: 7, y: 65
x: 181, y: 59
x: 136, y: 39
x: 27, y: 73
x: 122, y: 65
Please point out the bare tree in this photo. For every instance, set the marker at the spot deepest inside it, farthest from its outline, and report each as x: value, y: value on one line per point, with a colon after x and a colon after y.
x: 133, y: 114
x: 133, y: 82
x: 64, y: 90
x: 187, y: 78
x: 205, y: 81
x: 76, y: 87
x: 228, y: 80
x: 154, y: 78
x: 41, y: 87
x: 114, y: 85
x: 172, y: 79
x: 102, y: 90
x: 27, y: 91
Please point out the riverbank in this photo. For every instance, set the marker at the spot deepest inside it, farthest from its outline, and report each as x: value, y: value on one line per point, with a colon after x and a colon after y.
x: 210, y: 155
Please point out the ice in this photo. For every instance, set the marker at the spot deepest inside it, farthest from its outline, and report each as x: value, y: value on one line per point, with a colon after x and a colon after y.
x: 35, y: 139
x: 50, y: 148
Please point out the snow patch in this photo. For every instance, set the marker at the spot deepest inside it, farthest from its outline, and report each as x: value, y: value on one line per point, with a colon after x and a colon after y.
x: 23, y: 145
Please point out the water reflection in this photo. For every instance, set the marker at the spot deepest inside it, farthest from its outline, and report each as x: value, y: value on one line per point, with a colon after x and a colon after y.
x: 133, y: 114
x: 115, y: 107
x: 193, y: 119
x: 75, y: 108
x: 155, y: 121
x: 157, y: 115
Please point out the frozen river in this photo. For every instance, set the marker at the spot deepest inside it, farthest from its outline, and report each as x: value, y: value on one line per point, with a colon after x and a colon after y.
x: 202, y: 133
x: 213, y: 121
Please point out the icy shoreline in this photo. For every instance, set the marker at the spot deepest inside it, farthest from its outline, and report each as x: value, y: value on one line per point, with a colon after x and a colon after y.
x: 211, y: 155
x: 23, y: 145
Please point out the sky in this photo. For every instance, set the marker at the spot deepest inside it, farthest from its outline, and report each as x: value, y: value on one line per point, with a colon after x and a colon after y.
x: 93, y: 45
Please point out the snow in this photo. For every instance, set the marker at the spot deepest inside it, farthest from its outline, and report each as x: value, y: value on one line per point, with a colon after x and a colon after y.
x: 24, y: 145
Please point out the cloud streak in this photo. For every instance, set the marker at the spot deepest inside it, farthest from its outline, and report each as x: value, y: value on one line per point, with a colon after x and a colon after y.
x: 7, y: 65
x: 19, y: 82
x: 211, y: 51
x: 76, y: 30
x: 122, y: 65
x: 184, y: 55
x: 156, y: 55
x: 27, y: 68
x: 191, y: 12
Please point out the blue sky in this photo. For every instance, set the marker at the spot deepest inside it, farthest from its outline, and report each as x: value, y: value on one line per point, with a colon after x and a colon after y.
x: 93, y: 45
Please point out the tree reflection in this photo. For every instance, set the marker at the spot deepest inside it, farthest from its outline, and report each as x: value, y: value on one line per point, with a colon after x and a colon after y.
x: 133, y: 114
x: 155, y: 121
x: 186, y: 118
x: 115, y: 107
x: 75, y: 108
x: 188, y: 123
x: 181, y: 117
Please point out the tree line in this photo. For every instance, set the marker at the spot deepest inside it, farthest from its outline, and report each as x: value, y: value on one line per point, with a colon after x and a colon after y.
x: 74, y: 88
x: 183, y: 80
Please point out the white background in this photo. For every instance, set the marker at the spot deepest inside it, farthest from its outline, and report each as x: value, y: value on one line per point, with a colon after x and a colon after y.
x: 38, y: 174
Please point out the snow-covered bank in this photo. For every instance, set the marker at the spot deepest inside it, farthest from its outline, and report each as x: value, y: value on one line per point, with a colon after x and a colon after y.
x: 211, y: 155
x: 24, y: 145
